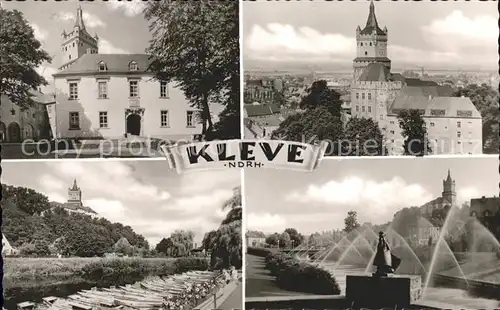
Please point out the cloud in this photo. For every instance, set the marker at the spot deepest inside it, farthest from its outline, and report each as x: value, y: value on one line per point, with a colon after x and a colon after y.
x: 106, y: 47
x: 40, y: 34
x: 277, y: 40
x: 206, y: 181
x: 265, y: 222
x: 116, y: 179
x: 90, y: 20
x: 465, y: 194
x: 46, y: 71
x: 129, y: 8
x: 374, y: 201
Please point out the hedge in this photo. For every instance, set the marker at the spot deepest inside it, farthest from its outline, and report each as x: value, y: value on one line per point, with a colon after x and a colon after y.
x: 258, y: 251
x: 294, y: 275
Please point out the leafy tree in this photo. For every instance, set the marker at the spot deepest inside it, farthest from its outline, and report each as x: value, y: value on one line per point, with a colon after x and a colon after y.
x: 20, y: 55
x: 364, y: 138
x: 196, y: 45
x: 351, y: 221
x: 209, y: 240
x: 296, y: 238
x: 164, y: 246
x: 405, y: 220
x: 486, y: 100
x: 284, y: 240
x: 319, y: 95
x: 273, y: 239
x: 314, y: 239
x: 123, y: 246
x: 312, y: 125
x: 414, y: 131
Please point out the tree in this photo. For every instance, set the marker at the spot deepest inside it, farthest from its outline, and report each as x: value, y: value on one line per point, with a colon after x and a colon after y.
x: 295, y: 236
x: 314, y: 239
x: 316, y: 124
x: 364, y: 138
x: 485, y: 98
x: 164, y: 246
x: 123, y: 246
x: 209, y: 240
x: 319, y: 95
x: 273, y: 239
x: 284, y: 240
x: 20, y: 55
x: 351, y: 221
x: 414, y: 131
x: 196, y: 45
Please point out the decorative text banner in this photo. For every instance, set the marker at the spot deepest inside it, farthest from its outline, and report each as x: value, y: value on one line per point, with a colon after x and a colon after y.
x: 245, y: 154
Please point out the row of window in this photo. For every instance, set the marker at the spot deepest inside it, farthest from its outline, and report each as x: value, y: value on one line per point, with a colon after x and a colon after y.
x: 132, y: 66
x: 363, y: 96
x: 74, y: 119
x: 363, y: 109
x: 102, y: 89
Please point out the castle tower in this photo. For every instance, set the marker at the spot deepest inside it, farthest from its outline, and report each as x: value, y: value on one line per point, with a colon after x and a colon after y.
x: 449, y: 190
x: 77, y: 42
x: 371, y: 45
x: 75, y: 194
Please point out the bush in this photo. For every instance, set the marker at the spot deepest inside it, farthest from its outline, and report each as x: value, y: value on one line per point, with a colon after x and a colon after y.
x: 184, y: 264
x: 294, y: 275
x: 258, y: 251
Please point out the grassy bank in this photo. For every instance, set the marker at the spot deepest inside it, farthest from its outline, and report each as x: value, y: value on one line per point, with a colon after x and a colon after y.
x: 34, y: 278
x: 294, y: 275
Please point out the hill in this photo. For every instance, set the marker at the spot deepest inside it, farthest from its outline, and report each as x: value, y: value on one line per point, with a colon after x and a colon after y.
x: 38, y: 227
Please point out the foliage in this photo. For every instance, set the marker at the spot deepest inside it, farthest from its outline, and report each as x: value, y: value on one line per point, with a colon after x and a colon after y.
x: 28, y: 219
x: 123, y: 246
x: 294, y: 275
x: 273, y: 239
x: 196, y: 45
x: 284, y: 240
x: 319, y: 95
x: 364, y: 138
x: 20, y: 55
x: 226, y: 242
x: 261, y: 252
x: 179, y: 244
x: 351, y: 221
x: 414, y: 131
x: 295, y: 236
x: 486, y: 100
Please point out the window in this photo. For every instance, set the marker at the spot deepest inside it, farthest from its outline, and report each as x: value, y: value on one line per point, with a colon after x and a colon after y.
x: 363, y: 109
x: 357, y: 108
x: 102, y: 66
x: 370, y: 43
x: 392, y: 122
x: 103, y: 90
x: 438, y: 112
x: 464, y: 113
x: 164, y: 119
x: 163, y: 89
x: 363, y: 96
x: 459, y: 124
x: 134, y: 88
x: 74, y: 120
x: 366, y: 53
x: 133, y: 66
x: 392, y: 131
x: 369, y: 96
x: 381, y: 116
x: 73, y: 91
x: 357, y: 95
x: 361, y: 43
x: 189, y: 119
x: 69, y: 57
x: 459, y: 134
x: 103, y: 119
x: 369, y: 109
x: 432, y: 124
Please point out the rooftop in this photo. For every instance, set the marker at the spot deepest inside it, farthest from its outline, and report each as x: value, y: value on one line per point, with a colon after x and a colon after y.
x: 115, y: 63
x: 261, y: 109
x: 451, y: 105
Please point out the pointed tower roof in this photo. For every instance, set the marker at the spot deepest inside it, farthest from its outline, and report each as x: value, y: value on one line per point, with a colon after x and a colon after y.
x: 79, y: 18
x: 75, y: 187
x: 448, y: 178
x: 371, y: 22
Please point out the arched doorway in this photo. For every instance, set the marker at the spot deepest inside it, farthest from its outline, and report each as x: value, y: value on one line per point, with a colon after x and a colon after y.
x: 28, y: 131
x: 3, y: 132
x: 14, y: 132
x: 134, y: 124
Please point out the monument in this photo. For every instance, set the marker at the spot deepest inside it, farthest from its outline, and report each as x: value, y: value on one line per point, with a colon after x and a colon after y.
x: 383, y: 288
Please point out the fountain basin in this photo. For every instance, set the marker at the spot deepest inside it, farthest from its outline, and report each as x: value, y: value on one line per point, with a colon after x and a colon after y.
x: 400, y: 290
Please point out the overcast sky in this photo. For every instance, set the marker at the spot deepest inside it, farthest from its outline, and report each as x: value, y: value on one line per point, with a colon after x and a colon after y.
x: 120, y: 25
x: 146, y: 195
x: 374, y: 188
x: 435, y: 34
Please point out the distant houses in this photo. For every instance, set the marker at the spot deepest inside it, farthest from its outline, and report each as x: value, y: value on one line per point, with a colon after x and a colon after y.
x: 255, y: 239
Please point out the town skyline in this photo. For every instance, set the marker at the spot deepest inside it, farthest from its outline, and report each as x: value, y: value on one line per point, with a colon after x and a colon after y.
x: 375, y: 188
x: 174, y: 202
x: 436, y: 35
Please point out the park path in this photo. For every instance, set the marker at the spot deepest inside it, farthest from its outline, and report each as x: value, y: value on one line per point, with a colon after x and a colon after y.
x: 259, y: 281
x: 234, y: 300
